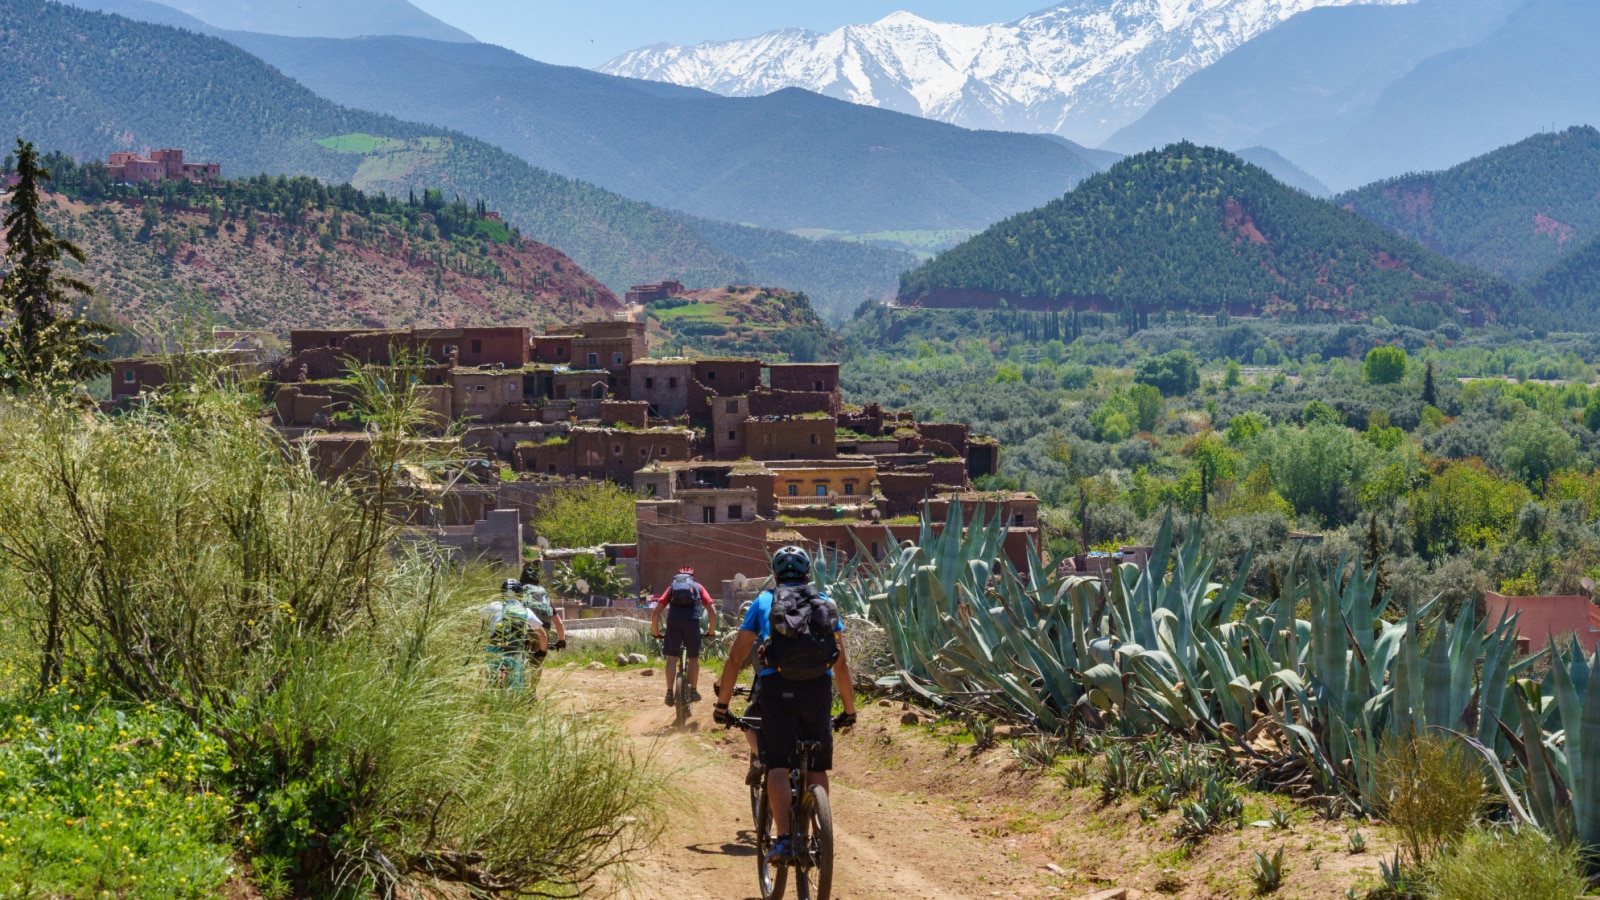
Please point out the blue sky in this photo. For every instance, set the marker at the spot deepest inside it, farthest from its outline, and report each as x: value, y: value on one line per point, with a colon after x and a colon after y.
x: 589, y: 32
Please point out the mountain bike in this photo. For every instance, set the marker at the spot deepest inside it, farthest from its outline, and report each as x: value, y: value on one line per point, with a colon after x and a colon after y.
x: 683, y: 709
x: 811, y: 831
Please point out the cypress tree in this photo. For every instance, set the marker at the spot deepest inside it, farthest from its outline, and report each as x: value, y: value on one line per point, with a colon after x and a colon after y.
x: 1428, y: 393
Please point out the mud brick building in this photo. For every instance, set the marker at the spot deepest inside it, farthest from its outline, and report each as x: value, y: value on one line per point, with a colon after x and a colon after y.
x: 160, y: 165
x: 730, y: 457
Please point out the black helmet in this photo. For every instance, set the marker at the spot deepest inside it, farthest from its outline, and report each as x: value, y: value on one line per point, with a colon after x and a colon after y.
x: 511, y: 586
x: 791, y: 564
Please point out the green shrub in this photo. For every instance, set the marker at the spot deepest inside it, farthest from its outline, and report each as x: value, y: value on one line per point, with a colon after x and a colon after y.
x: 1493, y: 865
x: 587, y: 516
x: 1174, y: 374
x: 1385, y: 365
x: 343, y: 684
x: 1431, y: 789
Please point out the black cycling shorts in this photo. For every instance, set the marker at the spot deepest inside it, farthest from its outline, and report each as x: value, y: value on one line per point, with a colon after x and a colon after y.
x: 793, y: 711
x: 681, y: 634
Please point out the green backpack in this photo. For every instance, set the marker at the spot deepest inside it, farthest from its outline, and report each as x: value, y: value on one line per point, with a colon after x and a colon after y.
x: 537, y: 600
x: 512, y: 626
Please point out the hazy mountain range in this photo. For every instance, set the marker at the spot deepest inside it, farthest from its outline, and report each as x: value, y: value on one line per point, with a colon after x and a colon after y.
x: 1080, y: 69
x: 296, y: 18
x: 1355, y: 94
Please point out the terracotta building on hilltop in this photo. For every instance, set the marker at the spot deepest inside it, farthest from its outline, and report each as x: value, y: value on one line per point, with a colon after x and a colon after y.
x: 160, y: 165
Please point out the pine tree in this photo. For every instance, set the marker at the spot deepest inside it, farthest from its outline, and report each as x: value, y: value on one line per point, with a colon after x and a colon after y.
x: 1429, y: 396
x: 41, y: 344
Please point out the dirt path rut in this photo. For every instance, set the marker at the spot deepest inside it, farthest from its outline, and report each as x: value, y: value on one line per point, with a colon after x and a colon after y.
x: 889, y: 844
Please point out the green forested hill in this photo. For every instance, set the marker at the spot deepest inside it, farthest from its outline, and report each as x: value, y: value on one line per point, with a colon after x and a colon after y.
x: 1513, y: 211
x: 89, y: 83
x: 1198, y: 228
x: 1571, y: 286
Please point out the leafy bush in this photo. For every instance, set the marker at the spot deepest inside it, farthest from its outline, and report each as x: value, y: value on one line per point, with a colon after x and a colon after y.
x: 587, y: 576
x: 1175, y: 373
x: 1431, y: 790
x: 1385, y: 365
x: 1148, y: 403
x: 1534, y: 448
x: 587, y: 516
x: 334, y: 674
x: 1492, y: 865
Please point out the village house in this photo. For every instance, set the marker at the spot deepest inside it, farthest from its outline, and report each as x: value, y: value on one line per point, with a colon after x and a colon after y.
x: 730, y: 457
x: 160, y: 165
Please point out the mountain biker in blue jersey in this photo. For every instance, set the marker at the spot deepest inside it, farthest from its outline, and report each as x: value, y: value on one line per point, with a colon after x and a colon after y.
x: 793, y: 697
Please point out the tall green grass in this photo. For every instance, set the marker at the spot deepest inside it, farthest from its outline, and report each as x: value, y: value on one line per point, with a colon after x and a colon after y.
x: 181, y: 558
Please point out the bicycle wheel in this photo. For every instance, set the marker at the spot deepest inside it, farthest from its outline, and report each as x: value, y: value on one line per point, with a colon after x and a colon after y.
x: 769, y: 877
x: 682, y: 710
x: 821, y: 820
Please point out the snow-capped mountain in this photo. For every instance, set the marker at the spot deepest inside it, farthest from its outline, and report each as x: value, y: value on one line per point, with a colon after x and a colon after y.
x: 1082, y: 69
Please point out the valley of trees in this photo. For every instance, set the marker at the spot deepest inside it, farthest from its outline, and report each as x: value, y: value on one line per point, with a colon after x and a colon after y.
x: 1457, y: 461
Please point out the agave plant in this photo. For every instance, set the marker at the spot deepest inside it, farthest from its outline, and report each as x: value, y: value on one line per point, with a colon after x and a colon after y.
x: 1166, y: 648
x: 1556, y: 742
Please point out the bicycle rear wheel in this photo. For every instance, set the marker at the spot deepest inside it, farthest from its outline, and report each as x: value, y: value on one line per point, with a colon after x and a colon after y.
x: 682, y: 709
x: 820, y: 875
x: 770, y: 877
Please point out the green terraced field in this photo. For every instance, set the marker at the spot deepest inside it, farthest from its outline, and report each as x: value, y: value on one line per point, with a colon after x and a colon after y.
x: 355, y: 143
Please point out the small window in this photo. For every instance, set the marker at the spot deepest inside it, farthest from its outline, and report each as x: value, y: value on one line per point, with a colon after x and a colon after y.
x: 1016, y: 520
x: 650, y: 491
x: 333, y: 342
x: 741, y: 376
x: 833, y: 546
x: 561, y: 392
x: 735, y: 513
x: 877, y: 552
x: 644, y: 452
x: 822, y: 490
x: 481, y: 388
x: 708, y: 515
x: 766, y: 439
x: 560, y: 352
x: 649, y: 384
x: 672, y: 382
x: 711, y: 376
x: 128, y: 377
x: 663, y: 452
x: 794, y: 490
x: 594, y: 359
x: 552, y: 468
x: 733, y: 435
x: 817, y: 386
x: 616, y: 359
x: 814, y: 440
x: 733, y: 407
x: 477, y: 346
x: 617, y: 449
x: 849, y: 488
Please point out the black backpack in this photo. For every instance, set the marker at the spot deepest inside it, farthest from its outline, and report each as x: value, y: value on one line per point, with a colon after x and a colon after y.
x: 802, y: 646
x: 685, y: 592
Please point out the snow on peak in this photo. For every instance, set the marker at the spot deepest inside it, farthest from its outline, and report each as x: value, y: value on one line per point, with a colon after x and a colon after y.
x: 1081, y: 69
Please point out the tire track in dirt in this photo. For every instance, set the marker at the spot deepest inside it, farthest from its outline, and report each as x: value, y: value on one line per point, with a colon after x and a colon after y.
x: 888, y: 845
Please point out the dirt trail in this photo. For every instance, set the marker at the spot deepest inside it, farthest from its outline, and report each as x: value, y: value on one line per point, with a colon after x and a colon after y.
x: 890, y: 844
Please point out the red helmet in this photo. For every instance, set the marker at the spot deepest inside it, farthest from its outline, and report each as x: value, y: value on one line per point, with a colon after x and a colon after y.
x: 686, y: 570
